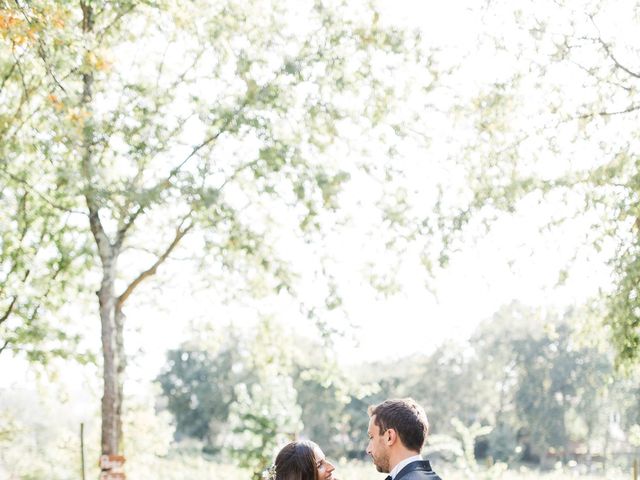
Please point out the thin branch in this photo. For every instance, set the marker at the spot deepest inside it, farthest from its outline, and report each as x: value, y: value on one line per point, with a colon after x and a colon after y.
x: 24, y: 85
x: 9, y: 310
x: 100, y: 35
x: 38, y: 107
x: 6, y: 343
x: 207, y: 141
x: 161, y: 66
x: 599, y: 79
x: 129, y: 222
x: 609, y: 53
x: 8, y: 75
x: 41, y: 195
x: 41, y: 51
x: 122, y: 231
x: 180, y: 233
x: 617, y: 63
x: 235, y: 173
x: 17, y: 127
x: 630, y: 109
x: 126, y: 225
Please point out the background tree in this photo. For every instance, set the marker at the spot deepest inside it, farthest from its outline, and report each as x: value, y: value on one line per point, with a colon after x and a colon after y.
x: 200, y: 388
x: 266, y: 413
x: 556, y: 128
x: 322, y: 401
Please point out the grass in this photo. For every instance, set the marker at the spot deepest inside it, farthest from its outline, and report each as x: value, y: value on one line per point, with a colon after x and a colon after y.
x: 180, y: 467
x: 360, y: 471
x: 364, y: 471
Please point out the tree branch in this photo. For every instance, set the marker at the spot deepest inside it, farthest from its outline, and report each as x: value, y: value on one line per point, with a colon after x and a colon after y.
x: 609, y: 53
x: 41, y: 195
x: 22, y: 79
x: 8, y: 75
x: 208, y: 141
x: 615, y: 61
x: 126, y: 225
x: 122, y: 231
x: 129, y: 222
x: 6, y: 343
x: 100, y: 35
x: 97, y: 229
x: 41, y: 51
x: 180, y: 233
x: 630, y: 109
x: 9, y: 310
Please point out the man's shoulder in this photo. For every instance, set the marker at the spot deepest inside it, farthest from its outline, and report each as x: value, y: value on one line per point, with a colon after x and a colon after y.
x: 421, y: 475
x: 417, y: 471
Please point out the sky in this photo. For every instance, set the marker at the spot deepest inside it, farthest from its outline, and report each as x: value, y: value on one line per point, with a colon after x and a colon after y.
x: 513, y: 262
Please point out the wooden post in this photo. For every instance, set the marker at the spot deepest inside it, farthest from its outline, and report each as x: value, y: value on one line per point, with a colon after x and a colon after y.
x: 635, y: 469
x: 82, y: 450
x: 111, y: 467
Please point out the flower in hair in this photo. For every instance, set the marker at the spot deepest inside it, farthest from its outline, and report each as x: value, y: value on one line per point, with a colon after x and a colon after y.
x: 269, y: 473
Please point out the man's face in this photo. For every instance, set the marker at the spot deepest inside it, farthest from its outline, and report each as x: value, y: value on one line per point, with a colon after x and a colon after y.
x: 377, y: 447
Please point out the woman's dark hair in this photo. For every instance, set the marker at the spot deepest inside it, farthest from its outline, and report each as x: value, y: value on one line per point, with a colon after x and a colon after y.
x: 297, y: 461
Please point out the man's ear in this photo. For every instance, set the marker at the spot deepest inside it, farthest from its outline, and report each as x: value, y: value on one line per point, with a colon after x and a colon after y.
x: 390, y: 436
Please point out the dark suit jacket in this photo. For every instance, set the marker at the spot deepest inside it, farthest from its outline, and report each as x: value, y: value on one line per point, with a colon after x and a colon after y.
x: 420, y: 470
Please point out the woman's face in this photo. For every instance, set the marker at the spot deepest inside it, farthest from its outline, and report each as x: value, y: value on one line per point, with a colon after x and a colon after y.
x: 325, y: 468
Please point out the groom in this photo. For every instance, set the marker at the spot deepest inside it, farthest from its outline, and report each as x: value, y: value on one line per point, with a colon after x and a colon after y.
x: 397, y: 431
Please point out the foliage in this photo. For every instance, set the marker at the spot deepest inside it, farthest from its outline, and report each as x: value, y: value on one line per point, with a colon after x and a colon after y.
x: 322, y: 393
x: 462, y: 447
x: 523, y: 388
x: 554, y: 131
x: 149, y: 435
x: 265, y: 414
x: 200, y: 387
x: 41, y: 244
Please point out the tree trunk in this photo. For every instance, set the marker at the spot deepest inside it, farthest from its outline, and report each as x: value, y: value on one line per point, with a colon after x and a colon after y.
x: 110, y: 420
x: 121, y: 365
x: 110, y: 313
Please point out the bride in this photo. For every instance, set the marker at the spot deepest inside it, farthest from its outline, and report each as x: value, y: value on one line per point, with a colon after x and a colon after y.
x: 301, y: 460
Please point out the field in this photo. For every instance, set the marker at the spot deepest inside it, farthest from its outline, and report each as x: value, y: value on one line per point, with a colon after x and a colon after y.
x: 196, y: 467
x: 361, y: 471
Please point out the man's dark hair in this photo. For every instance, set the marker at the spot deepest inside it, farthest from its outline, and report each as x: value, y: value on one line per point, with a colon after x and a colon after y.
x: 297, y: 461
x: 406, y: 417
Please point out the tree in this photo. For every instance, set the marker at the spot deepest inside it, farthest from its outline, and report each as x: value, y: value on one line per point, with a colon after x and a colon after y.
x: 164, y: 127
x: 199, y: 387
x: 41, y: 247
x: 323, y: 394
x: 496, y: 376
x: 557, y: 128
x: 265, y: 414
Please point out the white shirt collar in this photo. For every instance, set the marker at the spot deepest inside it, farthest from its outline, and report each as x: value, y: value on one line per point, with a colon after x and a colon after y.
x: 403, y: 464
